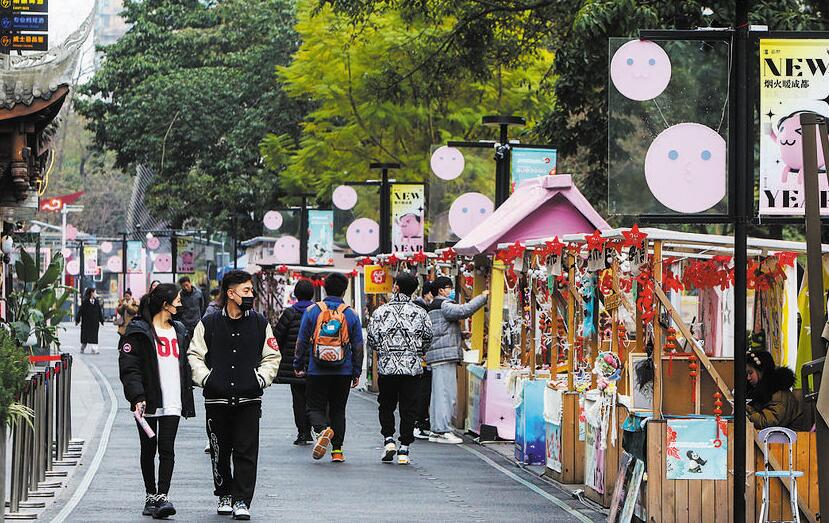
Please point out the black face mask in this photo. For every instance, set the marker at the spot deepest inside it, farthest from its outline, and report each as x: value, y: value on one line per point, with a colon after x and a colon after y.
x: 247, y: 303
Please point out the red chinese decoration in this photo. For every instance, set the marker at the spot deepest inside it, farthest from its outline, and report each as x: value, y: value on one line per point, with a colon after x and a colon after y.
x: 645, y: 302
x: 282, y: 269
x: 419, y: 257
x: 595, y: 242
x: 669, y: 281
x: 692, y: 372
x: 634, y: 237
x: 448, y: 255
x: 622, y: 335
x: 362, y: 262
x: 670, y: 348
x: 718, y: 414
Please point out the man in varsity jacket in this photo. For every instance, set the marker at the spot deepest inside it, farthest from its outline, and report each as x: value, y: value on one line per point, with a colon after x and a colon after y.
x: 234, y: 356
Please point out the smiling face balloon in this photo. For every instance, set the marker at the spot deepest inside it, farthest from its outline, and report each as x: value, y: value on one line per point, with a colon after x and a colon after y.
x: 163, y: 262
x: 640, y: 70
x: 363, y: 236
x: 447, y: 162
x: 153, y: 243
x: 467, y: 211
x: 686, y: 168
x: 344, y: 197
x: 286, y: 250
x: 273, y: 220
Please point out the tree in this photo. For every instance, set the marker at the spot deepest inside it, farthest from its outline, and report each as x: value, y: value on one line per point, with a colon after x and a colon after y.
x: 189, y: 92
x: 578, y: 31
x: 80, y: 167
x: 375, y: 98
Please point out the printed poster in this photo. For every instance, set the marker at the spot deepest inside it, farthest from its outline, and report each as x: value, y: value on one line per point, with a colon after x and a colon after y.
x: 407, y: 217
x: 532, y: 163
x: 134, y: 256
x: 185, y: 255
x: 691, y: 451
x: 553, y: 447
x: 378, y: 280
x: 594, y: 455
x: 320, y: 237
x: 793, y: 81
x: 90, y: 260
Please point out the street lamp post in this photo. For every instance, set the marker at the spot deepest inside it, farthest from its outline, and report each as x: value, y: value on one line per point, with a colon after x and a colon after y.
x: 502, y: 154
x: 385, y: 203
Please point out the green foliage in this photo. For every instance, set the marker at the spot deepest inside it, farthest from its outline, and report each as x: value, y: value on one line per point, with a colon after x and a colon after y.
x: 14, y: 367
x: 382, y: 92
x: 38, y: 308
x: 80, y: 167
x: 189, y: 91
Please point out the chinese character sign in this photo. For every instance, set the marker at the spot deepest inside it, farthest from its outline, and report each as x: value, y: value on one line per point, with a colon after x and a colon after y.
x: 320, y: 237
x: 90, y: 260
x: 532, y: 163
x: 185, y: 255
x: 378, y: 280
x: 793, y: 81
x: 407, y: 217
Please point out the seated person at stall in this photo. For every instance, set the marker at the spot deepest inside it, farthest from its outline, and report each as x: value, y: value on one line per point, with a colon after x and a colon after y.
x: 771, y: 401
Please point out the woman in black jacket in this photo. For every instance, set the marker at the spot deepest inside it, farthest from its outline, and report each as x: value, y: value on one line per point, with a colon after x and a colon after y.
x: 286, y: 332
x: 91, y: 317
x: 157, y: 383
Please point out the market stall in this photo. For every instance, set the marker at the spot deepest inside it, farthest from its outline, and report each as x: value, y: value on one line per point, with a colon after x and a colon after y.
x: 642, y: 367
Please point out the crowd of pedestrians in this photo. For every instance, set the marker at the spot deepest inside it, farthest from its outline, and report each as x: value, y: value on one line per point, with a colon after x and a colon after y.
x: 173, y: 341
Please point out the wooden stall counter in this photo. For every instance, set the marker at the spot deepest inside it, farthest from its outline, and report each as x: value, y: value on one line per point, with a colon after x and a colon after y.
x: 571, y: 444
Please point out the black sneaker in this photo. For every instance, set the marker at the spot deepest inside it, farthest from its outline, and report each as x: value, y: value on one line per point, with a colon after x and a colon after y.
x: 389, y: 450
x: 149, y: 505
x: 163, y: 507
x: 303, y: 439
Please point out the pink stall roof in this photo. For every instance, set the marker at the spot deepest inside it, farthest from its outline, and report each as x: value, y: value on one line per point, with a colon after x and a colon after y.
x: 539, y: 208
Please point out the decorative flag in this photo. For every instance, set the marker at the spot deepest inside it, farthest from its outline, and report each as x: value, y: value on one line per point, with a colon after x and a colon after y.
x: 56, y: 203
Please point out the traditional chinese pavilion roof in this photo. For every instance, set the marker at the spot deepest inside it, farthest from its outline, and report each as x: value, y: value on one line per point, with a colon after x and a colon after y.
x: 40, y: 76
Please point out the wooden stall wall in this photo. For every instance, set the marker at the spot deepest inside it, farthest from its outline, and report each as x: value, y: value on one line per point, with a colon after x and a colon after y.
x: 572, y: 448
x: 679, y: 501
x: 805, y: 460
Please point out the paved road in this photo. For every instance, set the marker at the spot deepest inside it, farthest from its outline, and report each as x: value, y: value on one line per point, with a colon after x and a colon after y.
x: 466, y: 482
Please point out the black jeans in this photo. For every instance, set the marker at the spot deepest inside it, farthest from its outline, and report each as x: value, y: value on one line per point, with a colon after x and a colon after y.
x: 327, y: 397
x: 164, y: 442
x: 233, y: 431
x: 424, y: 397
x: 303, y: 426
x: 402, y: 391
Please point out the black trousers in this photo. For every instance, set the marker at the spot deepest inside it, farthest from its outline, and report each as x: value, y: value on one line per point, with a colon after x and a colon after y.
x: 233, y: 431
x: 327, y: 397
x: 399, y: 391
x: 298, y: 397
x: 164, y: 442
x: 424, y: 397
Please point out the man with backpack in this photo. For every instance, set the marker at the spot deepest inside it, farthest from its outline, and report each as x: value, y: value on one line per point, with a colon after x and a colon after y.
x: 234, y: 356
x: 330, y: 346
x: 400, y: 332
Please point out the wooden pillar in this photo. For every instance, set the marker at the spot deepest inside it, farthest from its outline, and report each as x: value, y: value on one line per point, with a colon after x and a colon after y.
x: 479, y: 318
x: 657, y: 335
x: 496, y: 316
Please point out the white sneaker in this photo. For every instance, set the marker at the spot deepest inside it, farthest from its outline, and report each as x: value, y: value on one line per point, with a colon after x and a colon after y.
x: 207, y: 448
x: 241, y: 511
x: 224, y: 508
x: 446, y: 437
x: 422, y: 434
x: 389, y: 450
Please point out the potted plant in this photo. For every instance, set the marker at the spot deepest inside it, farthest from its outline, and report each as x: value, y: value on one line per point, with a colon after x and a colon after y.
x: 37, y: 309
x: 14, y: 368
